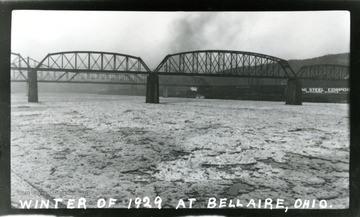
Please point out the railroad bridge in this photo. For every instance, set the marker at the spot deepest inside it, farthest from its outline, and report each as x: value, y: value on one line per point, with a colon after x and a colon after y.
x: 116, y: 68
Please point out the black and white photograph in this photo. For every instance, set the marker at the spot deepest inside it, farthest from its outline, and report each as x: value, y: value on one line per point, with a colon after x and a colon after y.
x: 180, y: 110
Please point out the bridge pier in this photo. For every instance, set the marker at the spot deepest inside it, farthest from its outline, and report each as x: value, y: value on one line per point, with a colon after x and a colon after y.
x: 32, y: 86
x: 152, y: 88
x: 293, y: 92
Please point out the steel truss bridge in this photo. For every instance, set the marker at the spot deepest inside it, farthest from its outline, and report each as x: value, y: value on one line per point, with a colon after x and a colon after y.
x: 115, y: 68
x: 324, y: 72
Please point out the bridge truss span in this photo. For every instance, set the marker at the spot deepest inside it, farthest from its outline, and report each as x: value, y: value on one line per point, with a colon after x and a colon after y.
x: 324, y: 72
x: 223, y: 63
x: 81, y: 67
x: 92, y: 62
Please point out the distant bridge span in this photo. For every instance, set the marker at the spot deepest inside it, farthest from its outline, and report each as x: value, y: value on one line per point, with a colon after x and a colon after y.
x: 324, y: 72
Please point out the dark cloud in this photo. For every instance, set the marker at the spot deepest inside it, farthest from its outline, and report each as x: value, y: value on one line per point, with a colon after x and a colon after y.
x: 190, y: 32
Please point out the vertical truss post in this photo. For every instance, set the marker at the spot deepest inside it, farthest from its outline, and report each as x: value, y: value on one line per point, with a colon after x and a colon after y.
x: 293, y: 92
x: 152, y: 88
x: 32, y: 86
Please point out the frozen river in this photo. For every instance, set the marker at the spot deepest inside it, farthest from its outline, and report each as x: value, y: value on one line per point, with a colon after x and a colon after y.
x: 101, y: 146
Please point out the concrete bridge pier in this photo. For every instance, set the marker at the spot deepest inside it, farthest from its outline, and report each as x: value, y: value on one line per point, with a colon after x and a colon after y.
x: 32, y: 86
x: 152, y: 88
x: 293, y: 92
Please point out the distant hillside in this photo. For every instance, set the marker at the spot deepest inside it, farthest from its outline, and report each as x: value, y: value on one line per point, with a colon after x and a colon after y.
x: 340, y: 59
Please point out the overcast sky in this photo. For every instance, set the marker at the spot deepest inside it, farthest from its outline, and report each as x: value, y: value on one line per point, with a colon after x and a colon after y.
x: 152, y: 35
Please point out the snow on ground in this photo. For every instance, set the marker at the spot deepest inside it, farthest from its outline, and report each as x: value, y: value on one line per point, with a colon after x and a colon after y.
x: 101, y: 146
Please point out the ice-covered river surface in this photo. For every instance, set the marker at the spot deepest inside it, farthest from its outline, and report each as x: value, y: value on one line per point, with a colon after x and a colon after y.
x: 100, y: 146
